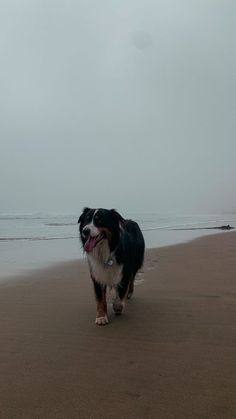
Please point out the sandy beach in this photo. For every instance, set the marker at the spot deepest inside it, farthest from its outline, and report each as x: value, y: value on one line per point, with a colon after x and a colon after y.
x: 171, y: 355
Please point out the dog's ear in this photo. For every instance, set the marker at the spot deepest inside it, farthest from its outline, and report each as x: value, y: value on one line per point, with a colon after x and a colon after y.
x: 85, y: 210
x: 118, y: 216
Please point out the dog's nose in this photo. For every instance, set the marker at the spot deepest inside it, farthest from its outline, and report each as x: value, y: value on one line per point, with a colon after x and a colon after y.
x: 86, y: 231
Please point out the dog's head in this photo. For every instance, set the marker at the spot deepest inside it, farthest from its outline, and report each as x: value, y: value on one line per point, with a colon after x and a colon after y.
x: 97, y: 225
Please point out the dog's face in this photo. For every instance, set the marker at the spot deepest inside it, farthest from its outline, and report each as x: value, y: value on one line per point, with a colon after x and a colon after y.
x: 97, y: 225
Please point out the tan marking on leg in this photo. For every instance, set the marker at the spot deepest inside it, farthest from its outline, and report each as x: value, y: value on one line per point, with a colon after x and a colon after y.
x: 101, y: 316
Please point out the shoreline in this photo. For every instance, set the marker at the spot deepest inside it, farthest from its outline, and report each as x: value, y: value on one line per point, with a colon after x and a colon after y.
x: 18, y: 274
x: 170, y: 355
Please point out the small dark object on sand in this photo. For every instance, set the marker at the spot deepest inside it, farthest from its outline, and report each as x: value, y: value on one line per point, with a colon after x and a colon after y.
x: 226, y: 227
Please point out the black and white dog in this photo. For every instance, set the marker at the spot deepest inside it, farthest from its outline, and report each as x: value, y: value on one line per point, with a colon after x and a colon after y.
x: 115, y: 252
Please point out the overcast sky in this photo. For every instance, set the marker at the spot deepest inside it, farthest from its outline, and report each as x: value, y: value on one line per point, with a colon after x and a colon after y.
x: 127, y: 104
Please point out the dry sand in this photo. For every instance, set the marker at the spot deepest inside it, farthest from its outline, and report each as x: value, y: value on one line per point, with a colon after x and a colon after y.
x: 172, y: 354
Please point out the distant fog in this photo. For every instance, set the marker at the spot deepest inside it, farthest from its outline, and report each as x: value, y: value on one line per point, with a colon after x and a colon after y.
x: 126, y: 104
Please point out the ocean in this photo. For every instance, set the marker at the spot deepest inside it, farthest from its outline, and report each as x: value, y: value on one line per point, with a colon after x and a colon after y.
x: 31, y: 241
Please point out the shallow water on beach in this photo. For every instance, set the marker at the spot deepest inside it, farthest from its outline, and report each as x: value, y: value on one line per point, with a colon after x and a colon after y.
x: 31, y: 241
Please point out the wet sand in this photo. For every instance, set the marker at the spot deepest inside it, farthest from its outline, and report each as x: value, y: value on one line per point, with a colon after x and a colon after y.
x: 172, y: 354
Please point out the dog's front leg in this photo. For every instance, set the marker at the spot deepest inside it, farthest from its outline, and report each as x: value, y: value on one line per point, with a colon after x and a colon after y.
x: 121, y: 294
x: 100, y: 294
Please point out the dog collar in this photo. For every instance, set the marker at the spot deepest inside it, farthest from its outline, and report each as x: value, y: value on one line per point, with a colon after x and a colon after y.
x: 109, y: 262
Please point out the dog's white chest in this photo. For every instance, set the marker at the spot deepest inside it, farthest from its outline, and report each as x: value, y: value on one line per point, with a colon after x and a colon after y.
x: 103, y: 268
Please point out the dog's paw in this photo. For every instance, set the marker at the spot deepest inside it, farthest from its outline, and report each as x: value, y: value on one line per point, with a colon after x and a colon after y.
x: 118, y: 306
x: 101, y: 321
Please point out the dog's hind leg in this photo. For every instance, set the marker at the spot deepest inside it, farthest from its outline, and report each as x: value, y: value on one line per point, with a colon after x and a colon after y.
x: 131, y: 289
x: 100, y: 294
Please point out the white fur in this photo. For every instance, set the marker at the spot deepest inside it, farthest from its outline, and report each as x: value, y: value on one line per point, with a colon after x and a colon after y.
x: 104, y: 274
x: 101, y: 320
x: 94, y: 232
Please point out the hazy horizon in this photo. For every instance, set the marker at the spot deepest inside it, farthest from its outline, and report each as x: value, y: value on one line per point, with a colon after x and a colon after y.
x: 127, y: 105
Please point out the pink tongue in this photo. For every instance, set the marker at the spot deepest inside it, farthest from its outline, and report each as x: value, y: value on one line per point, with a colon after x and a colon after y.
x: 90, y: 244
